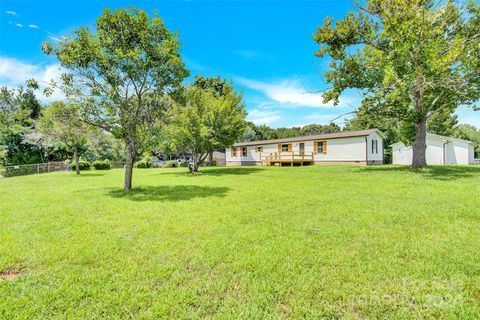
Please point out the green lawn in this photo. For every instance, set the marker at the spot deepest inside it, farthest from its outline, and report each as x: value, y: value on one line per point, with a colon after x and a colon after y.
x: 249, y: 243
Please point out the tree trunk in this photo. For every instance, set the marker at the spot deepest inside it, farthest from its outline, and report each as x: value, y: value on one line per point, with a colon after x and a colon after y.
x: 77, y: 160
x: 131, y: 157
x: 419, y: 146
x: 210, y: 158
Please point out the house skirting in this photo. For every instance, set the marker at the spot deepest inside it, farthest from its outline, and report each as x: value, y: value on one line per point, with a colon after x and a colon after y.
x: 242, y: 163
x: 351, y: 163
x: 317, y: 163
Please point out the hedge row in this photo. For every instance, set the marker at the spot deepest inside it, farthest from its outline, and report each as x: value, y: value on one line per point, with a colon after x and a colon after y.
x: 98, y: 165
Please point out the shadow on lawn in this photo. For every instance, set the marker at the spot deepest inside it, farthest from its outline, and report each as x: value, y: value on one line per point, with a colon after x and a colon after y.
x: 444, y: 173
x: 169, y: 193
x: 220, y: 171
x: 86, y: 175
x: 216, y: 171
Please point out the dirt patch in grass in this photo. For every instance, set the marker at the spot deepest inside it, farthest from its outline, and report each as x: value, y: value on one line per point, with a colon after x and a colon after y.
x: 10, y: 274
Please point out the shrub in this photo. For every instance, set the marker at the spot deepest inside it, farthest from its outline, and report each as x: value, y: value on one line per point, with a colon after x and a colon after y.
x: 171, y: 164
x: 157, y: 164
x: 84, y: 165
x: 183, y: 163
x: 208, y: 164
x: 102, y: 165
x: 143, y: 164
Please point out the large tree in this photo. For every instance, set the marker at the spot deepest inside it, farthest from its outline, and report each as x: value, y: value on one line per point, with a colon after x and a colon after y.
x: 120, y: 74
x: 61, y: 122
x: 443, y: 123
x: 411, y: 59
x: 206, y: 121
x: 223, y: 90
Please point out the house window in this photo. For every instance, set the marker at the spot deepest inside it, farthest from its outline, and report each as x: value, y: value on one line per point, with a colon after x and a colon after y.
x: 322, y: 147
x: 244, y: 151
x: 258, y: 149
x: 233, y: 152
x: 284, y: 147
x: 374, y: 146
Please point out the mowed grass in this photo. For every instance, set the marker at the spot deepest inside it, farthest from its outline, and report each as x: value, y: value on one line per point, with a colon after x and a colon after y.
x: 242, y: 243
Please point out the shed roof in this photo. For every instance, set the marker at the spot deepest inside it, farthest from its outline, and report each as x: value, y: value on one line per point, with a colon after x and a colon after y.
x: 335, y: 135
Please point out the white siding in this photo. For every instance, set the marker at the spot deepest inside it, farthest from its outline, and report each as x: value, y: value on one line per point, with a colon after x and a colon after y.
x: 401, y: 154
x: 350, y: 149
x: 343, y: 149
x: 471, y: 154
x: 434, y: 152
x: 372, y: 155
x: 454, y: 152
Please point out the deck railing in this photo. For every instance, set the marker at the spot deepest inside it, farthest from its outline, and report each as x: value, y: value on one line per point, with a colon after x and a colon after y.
x: 287, y: 157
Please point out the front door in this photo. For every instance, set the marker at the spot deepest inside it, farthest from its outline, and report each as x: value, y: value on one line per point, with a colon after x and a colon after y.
x: 302, y: 147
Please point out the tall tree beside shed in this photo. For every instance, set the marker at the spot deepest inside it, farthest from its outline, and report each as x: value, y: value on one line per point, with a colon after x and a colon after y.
x: 411, y: 59
x: 120, y: 73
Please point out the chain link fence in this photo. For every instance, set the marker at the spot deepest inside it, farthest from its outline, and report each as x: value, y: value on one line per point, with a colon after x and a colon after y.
x: 117, y: 165
x: 35, y: 168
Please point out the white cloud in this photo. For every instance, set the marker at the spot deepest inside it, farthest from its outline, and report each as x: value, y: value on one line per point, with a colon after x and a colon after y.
x: 252, y: 54
x: 12, y: 13
x: 259, y: 116
x: 287, y: 93
x: 18, y: 25
x: 33, y: 26
x: 56, y: 38
x: 14, y: 73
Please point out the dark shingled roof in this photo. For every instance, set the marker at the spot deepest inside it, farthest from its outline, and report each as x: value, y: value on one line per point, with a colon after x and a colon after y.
x: 342, y: 134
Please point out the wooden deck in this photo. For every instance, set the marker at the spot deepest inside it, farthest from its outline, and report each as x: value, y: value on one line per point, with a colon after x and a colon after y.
x: 287, y: 158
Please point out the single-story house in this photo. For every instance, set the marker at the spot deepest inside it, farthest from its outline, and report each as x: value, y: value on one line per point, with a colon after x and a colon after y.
x: 363, y: 147
x: 440, y: 150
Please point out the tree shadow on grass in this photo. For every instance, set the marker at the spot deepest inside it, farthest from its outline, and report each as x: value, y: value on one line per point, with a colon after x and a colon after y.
x: 219, y: 171
x: 86, y: 175
x: 230, y: 171
x: 169, y: 193
x: 444, y: 173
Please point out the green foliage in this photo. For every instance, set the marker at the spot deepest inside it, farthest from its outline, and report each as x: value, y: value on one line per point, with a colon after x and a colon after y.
x: 143, y: 164
x: 18, y: 107
x: 171, y: 164
x: 102, y: 165
x: 411, y: 59
x: 183, y: 163
x: 120, y: 75
x: 263, y: 132
x: 83, y: 165
x: 103, y: 145
x: 18, y: 139
x: 470, y: 133
x: 442, y: 123
x: 206, y: 120
x: 313, y: 129
x: 62, y: 123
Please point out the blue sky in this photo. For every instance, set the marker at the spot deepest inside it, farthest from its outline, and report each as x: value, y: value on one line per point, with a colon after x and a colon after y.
x: 264, y: 47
